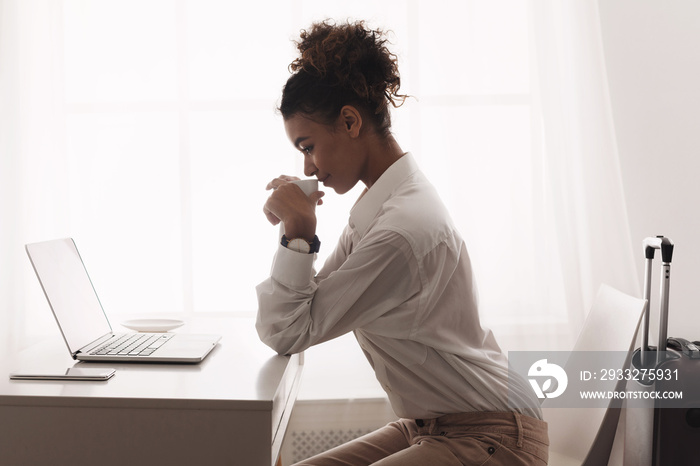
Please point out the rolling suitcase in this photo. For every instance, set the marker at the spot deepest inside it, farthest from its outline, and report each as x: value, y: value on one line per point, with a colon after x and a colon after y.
x: 664, y: 428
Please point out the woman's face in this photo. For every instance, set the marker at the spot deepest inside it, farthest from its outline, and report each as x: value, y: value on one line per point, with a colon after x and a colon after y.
x: 331, y: 153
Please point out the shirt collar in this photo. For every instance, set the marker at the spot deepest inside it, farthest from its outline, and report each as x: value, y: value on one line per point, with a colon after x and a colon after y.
x: 367, y: 207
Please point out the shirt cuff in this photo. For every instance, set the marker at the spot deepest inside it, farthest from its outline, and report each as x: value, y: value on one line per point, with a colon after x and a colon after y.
x: 291, y: 268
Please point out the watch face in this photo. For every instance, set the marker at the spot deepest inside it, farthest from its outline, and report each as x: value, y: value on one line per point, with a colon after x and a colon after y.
x: 299, y: 245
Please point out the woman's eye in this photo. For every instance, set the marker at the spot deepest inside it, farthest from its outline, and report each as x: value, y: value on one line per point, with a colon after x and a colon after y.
x: 307, y: 150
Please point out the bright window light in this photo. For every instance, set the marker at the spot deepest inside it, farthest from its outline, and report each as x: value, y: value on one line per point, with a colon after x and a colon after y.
x: 173, y: 134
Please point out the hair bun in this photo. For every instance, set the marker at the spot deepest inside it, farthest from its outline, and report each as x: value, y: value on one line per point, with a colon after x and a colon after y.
x: 353, y: 57
x: 346, y: 64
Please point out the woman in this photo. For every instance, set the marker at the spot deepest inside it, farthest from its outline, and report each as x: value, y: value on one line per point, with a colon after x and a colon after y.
x: 400, y: 277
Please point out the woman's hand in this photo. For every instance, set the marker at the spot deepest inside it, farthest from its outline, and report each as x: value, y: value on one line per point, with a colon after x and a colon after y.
x: 290, y: 205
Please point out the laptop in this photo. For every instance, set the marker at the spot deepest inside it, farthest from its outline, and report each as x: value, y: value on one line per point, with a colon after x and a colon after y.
x: 84, y: 324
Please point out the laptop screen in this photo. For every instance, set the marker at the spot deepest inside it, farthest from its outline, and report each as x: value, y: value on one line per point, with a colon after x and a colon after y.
x: 69, y: 291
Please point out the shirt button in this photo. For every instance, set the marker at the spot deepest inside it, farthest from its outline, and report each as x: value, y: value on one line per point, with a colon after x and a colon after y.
x: 491, y: 450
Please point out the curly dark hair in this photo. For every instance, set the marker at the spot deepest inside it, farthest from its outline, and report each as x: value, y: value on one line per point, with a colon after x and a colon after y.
x: 346, y: 64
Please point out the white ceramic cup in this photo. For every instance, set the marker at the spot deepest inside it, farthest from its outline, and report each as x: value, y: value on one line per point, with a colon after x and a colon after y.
x: 309, y: 186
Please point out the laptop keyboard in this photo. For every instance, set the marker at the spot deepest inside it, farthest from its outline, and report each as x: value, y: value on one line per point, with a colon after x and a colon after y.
x: 136, y: 344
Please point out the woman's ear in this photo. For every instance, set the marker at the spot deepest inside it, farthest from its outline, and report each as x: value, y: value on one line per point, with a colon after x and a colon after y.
x: 351, y: 120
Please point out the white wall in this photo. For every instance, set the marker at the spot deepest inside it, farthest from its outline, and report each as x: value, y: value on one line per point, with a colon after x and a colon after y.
x: 652, y: 52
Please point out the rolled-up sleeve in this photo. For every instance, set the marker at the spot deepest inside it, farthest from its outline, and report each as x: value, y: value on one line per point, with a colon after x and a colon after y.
x: 298, y: 309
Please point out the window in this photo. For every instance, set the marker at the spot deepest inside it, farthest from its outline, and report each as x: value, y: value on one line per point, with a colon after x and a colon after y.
x: 172, y: 134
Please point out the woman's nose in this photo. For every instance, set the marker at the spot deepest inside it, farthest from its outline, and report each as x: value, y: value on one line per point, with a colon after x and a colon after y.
x: 309, y: 167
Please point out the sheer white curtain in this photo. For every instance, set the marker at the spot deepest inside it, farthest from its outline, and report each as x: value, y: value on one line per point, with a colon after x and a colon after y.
x: 33, y: 184
x: 585, y: 219
x: 146, y: 129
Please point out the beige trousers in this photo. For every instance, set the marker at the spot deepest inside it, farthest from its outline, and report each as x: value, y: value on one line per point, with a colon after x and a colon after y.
x: 494, y: 439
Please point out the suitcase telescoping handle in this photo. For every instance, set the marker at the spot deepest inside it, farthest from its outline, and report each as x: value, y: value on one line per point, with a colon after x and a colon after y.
x: 650, y: 245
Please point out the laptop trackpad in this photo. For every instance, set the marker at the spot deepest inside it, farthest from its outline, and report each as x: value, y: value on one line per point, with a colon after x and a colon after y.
x: 184, y: 346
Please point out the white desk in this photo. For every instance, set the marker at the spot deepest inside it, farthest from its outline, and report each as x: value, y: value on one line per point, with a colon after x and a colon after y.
x: 231, y: 409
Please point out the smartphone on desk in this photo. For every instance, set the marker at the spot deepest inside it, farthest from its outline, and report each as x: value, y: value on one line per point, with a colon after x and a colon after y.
x: 72, y: 373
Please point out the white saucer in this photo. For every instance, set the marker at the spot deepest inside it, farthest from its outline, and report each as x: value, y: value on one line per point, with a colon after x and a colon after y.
x: 152, y: 325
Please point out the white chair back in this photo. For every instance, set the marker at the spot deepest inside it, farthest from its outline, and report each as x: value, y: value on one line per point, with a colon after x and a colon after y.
x: 584, y: 436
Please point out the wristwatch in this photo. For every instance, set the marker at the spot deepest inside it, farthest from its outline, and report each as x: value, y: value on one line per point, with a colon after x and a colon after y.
x: 301, y: 245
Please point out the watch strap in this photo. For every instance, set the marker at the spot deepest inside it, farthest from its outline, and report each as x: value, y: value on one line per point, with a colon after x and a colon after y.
x: 314, y: 245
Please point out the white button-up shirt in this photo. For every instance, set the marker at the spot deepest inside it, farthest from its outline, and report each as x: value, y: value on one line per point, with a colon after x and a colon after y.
x: 400, y: 278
